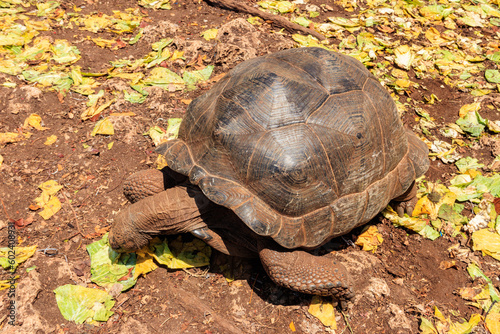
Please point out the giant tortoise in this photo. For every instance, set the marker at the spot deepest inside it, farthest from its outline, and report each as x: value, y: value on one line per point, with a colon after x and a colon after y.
x: 284, y: 153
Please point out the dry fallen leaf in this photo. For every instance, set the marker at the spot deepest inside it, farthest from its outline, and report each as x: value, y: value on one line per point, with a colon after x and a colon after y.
x: 323, y: 310
x: 370, y: 238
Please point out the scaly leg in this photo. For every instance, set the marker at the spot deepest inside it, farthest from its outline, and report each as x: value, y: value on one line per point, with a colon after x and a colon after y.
x: 306, y: 273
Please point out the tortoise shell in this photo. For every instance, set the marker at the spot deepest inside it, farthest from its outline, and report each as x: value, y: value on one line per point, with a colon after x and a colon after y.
x: 303, y: 145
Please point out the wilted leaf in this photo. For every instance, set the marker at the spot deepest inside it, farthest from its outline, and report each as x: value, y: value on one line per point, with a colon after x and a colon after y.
x: 162, y: 77
x: 418, y: 225
x: 34, y: 121
x: 108, y: 267
x: 493, y: 322
x: 21, y: 254
x: 80, y: 304
x: 488, y: 242
x: 50, y: 140
x: 103, y: 127
x: 434, y: 36
x: 475, y: 272
x: 209, y: 34
x: 307, y: 41
x: 472, y: 123
x: 157, y: 4
x: 96, y: 110
x: 278, y: 6
x: 467, y: 163
x: 9, y: 137
x: 435, y: 12
x: 50, y: 208
x: 427, y: 327
x: 191, y: 78
x: 183, y: 254
x: 302, y: 21
x: 404, y: 56
x: 370, y: 238
x: 47, y: 200
x: 323, y: 310
x: 64, y: 53
x: 145, y: 263
x: 6, y: 284
x: 492, y: 76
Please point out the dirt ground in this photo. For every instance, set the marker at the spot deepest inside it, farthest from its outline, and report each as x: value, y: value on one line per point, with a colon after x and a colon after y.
x: 403, y: 277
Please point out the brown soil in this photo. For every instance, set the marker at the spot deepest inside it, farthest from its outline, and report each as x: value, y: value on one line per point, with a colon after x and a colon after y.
x: 409, y: 281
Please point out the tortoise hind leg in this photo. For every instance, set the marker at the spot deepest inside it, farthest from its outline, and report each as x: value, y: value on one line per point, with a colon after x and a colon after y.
x: 406, y: 202
x: 306, y: 273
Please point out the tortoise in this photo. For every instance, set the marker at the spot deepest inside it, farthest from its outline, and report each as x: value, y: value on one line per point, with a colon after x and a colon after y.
x: 284, y: 153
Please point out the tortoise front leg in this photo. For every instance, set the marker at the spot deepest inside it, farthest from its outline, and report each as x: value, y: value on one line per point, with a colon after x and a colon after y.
x: 306, y: 273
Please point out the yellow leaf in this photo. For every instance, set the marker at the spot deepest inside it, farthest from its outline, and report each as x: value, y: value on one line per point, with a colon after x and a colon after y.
x: 487, y: 242
x: 438, y: 314
x: 50, y: 187
x: 433, y: 35
x: 104, y: 43
x: 94, y: 110
x: 103, y: 127
x: 426, y: 206
x: 51, y: 208
x: 493, y: 322
x: 34, y: 121
x: 370, y: 239
x: 21, y: 253
x: 50, y: 140
x: 128, y: 113
x: 465, y: 109
x: 9, y: 137
x: 1, y: 160
x: 464, y: 327
x: 404, y: 56
x: 403, y: 83
x: 47, y: 200
x: 323, y: 310
x: 292, y: 326
x: 145, y: 263
x: 110, y: 145
x: 209, y: 34
x: 6, y: 284
x: 177, y: 55
x: 161, y: 162
x: 426, y: 327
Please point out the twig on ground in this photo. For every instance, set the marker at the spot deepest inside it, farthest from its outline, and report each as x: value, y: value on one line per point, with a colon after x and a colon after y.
x: 278, y: 20
x: 74, y: 213
x: 253, y: 286
x: 347, y: 322
x: 5, y: 210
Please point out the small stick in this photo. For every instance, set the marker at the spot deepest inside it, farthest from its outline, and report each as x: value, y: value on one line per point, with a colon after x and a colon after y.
x: 4, y: 209
x: 278, y: 20
x: 347, y: 322
x: 253, y: 286
x: 74, y: 213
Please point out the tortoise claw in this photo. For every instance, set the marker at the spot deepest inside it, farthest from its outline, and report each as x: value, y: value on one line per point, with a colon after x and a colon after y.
x: 405, y: 207
x: 202, y: 233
